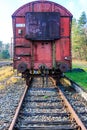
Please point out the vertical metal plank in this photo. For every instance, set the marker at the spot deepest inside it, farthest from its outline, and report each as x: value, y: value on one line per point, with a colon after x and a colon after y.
x: 53, y: 54
x: 14, y: 21
x: 70, y: 24
x: 32, y: 55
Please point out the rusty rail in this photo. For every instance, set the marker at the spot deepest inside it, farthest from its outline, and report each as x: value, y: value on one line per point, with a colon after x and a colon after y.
x: 18, y: 109
x: 73, y: 113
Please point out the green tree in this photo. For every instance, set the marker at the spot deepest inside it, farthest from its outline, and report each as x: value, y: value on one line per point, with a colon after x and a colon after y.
x: 5, y: 54
x: 1, y: 44
x: 82, y: 20
x: 83, y: 36
x: 1, y: 49
x: 7, y: 46
x: 79, y: 37
x: 75, y: 39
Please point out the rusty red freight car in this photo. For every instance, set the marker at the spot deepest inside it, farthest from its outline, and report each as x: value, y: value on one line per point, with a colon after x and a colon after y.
x: 42, y: 38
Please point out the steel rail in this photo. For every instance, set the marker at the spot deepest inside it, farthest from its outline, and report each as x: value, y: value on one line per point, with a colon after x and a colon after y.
x: 18, y: 109
x: 5, y: 63
x: 73, y: 113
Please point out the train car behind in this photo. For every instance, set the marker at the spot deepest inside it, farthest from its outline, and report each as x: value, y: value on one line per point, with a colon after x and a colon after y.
x: 42, y: 38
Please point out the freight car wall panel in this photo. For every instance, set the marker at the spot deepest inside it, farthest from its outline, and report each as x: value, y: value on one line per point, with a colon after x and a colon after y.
x: 65, y: 26
x: 20, y: 20
x: 59, y: 51
x: 42, y: 54
x: 22, y: 41
x: 63, y: 49
x: 43, y: 7
x: 20, y: 27
x: 20, y: 51
x: 66, y: 47
x: 64, y: 12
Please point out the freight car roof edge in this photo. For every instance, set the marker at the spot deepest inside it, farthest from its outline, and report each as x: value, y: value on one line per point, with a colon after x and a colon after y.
x: 68, y: 13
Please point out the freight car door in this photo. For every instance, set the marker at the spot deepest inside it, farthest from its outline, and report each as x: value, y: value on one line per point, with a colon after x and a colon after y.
x: 42, y: 54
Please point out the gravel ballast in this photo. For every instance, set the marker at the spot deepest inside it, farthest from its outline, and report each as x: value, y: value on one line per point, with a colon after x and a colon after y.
x: 9, y: 98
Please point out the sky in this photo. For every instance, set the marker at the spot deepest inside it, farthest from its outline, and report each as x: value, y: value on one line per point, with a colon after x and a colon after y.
x: 8, y: 7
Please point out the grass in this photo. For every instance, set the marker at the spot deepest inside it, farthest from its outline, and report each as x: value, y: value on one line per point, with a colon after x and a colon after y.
x: 2, y: 86
x: 7, y: 77
x: 6, y: 72
x: 79, y: 77
x: 79, y: 64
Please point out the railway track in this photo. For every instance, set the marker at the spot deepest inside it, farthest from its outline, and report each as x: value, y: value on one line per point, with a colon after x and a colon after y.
x: 5, y: 63
x: 45, y: 108
x: 78, y: 103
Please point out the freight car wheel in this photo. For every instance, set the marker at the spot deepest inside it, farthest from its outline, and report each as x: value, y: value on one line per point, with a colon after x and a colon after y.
x: 22, y: 67
x: 63, y: 67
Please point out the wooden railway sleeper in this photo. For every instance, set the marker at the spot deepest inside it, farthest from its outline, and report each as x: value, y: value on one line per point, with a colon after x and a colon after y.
x: 55, y: 125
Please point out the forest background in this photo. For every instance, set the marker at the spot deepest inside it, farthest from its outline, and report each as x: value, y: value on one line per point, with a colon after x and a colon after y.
x: 79, y: 37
